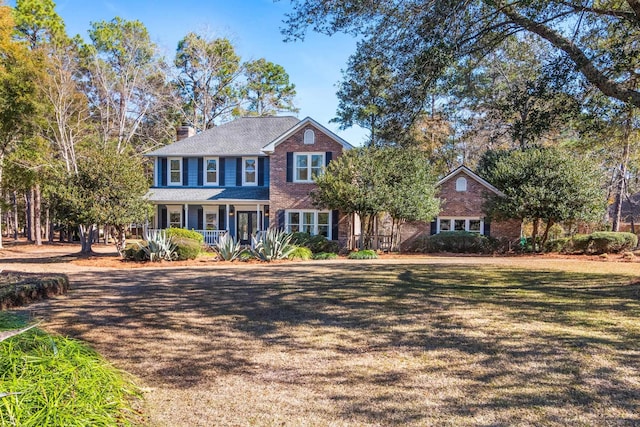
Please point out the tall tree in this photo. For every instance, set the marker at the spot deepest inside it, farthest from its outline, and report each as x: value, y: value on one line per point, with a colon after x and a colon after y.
x: 38, y: 22
x: 126, y: 80
x: 268, y: 90
x: 208, y: 72
x: 424, y: 38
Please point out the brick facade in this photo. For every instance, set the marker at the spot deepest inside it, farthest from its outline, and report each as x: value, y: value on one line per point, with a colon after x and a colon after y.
x: 291, y: 195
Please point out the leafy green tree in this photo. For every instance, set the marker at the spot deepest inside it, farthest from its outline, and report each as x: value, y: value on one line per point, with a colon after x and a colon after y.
x: 546, y: 186
x: 208, y: 72
x: 370, y: 180
x: 38, y: 22
x: 423, y: 39
x: 268, y: 90
x: 109, y: 188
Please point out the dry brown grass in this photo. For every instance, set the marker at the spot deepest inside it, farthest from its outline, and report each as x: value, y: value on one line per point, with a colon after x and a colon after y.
x: 402, y: 342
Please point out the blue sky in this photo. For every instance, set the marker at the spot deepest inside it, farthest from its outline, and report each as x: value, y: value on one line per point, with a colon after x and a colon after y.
x: 253, y: 26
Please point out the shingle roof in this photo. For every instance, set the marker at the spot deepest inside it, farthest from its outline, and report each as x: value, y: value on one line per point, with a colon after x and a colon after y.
x: 241, y: 137
x: 191, y: 195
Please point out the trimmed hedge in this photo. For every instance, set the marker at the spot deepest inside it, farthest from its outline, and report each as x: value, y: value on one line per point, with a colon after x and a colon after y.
x: 457, y: 242
x: 17, y: 289
x: 187, y: 248
x: 317, y: 243
x: 596, y: 243
x: 176, y: 233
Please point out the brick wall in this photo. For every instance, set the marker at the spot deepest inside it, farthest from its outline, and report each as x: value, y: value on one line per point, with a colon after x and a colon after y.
x: 462, y: 203
x: 290, y: 195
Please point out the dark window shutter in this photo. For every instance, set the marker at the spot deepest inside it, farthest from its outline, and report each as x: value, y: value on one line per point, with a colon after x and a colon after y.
x: 221, y: 217
x: 163, y: 172
x: 200, y: 171
x: 280, y: 223
x: 289, y: 167
x: 335, y: 218
x: 238, y: 172
x: 261, y: 171
x: 221, y: 176
x: 185, y: 171
x: 487, y: 228
x: 200, y: 219
x: 327, y: 157
x: 433, y: 228
x: 163, y: 217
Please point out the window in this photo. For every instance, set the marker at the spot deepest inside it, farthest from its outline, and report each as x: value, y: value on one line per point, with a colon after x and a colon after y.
x: 175, y: 218
x: 312, y: 222
x: 175, y: 171
x: 249, y: 171
x: 211, y: 171
x: 307, y: 166
x: 309, y: 137
x: 474, y: 225
x: 461, y: 184
x: 210, y: 220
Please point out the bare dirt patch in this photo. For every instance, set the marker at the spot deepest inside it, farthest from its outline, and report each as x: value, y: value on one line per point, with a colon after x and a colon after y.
x: 410, y: 341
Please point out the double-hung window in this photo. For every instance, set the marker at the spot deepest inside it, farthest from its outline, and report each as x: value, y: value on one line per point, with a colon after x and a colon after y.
x: 474, y: 225
x: 211, y: 171
x: 308, y: 166
x: 175, y: 217
x: 175, y: 170
x: 210, y: 220
x: 249, y: 171
x: 313, y: 222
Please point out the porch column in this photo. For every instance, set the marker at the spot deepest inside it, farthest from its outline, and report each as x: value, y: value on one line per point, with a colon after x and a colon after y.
x: 226, y: 222
x: 186, y: 216
x: 259, y: 227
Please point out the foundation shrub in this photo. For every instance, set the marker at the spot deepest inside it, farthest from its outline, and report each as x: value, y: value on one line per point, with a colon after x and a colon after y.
x: 187, y: 248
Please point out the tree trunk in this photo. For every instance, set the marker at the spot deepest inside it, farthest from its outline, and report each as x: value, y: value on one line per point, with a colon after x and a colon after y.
x: 545, y: 235
x: 121, y: 239
x: 86, y: 238
x: 37, y: 215
x: 32, y: 215
x: 534, y: 234
x: 15, y: 215
x: 620, y: 192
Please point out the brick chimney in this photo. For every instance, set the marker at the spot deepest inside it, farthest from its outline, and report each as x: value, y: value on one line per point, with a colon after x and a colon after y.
x: 184, y: 131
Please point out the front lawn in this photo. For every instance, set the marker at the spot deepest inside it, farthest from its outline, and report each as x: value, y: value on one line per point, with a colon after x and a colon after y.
x: 431, y: 342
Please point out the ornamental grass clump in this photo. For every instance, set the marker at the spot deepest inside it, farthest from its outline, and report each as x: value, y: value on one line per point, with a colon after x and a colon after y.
x: 228, y: 248
x: 272, y: 245
x: 47, y: 380
x: 325, y: 256
x: 300, y: 252
x: 364, y: 254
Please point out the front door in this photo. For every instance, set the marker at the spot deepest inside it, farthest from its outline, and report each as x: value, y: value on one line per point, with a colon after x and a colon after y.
x: 247, y: 226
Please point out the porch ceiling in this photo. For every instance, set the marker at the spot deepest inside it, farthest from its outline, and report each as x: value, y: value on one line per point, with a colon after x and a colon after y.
x: 191, y: 195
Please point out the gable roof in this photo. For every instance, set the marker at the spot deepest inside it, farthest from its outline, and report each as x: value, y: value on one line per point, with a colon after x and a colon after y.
x: 268, y: 148
x: 473, y: 175
x: 240, y: 137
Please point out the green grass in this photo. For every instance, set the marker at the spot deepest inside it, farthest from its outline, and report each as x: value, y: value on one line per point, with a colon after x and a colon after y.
x: 364, y: 254
x: 56, y: 381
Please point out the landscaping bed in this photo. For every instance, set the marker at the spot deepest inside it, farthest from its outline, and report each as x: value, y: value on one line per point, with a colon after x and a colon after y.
x: 17, y: 289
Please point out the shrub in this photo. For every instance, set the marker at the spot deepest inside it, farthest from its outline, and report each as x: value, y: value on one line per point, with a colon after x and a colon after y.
x: 611, y: 242
x: 184, y: 233
x: 557, y: 245
x: 578, y: 243
x: 134, y: 252
x: 52, y: 380
x: 159, y: 247
x: 459, y: 242
x: 325, y: 255
x: 187, y: 248
x: 228, y: 248
x: 364, y: 254
x: 272, y: 245
x: 316, y: 243
x: 300, y: 252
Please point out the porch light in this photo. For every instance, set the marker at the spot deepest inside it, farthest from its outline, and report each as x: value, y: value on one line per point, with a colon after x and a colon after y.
x: 232, y: 210
x: 266, y: 211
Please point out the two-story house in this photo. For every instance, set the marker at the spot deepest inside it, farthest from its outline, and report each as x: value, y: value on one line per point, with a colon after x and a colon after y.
x: 246, y: 176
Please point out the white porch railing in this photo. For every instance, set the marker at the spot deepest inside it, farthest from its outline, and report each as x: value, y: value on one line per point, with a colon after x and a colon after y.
x: 211, y: 237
